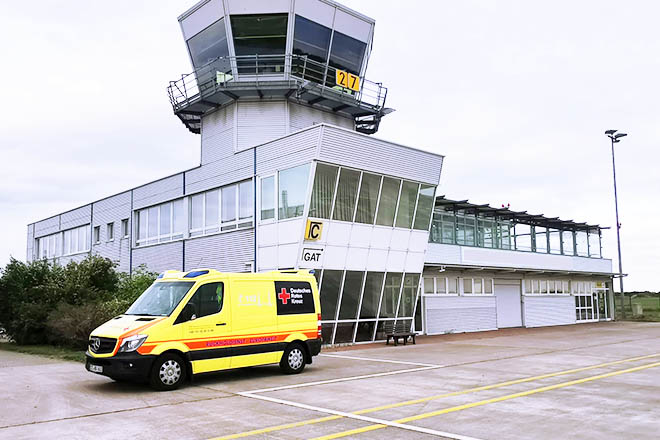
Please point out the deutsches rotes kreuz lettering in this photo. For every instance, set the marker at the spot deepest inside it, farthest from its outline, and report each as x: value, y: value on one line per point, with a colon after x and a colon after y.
x: 297, y: 294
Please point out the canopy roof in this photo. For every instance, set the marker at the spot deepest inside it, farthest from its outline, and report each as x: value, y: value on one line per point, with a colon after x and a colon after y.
x: 517, y: 216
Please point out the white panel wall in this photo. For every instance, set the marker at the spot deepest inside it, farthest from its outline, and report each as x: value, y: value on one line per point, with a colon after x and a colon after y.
x: 458, y: 314
x: 302, y: 116
x: 541, y: 311
x: 113, y: 209
x: 358, y: 150
x: 473, y: 256
x: 291, y: 150
x: 257, y: 6
x: 76, y: 217
x: 316, y: 10
x: 158, y: 191
x: 218, y: 134
x: 47, y: 226
x: 231, y: 169
x: 227, y: 252
x: 352, y: 26
x: 259, y: 122
x: 29, y: 252
x: 159, y: 258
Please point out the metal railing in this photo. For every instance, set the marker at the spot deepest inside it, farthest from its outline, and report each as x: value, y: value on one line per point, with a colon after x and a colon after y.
x: 227, y: 73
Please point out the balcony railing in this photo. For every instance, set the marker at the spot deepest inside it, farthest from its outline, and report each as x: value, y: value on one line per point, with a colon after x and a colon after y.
x: 257, y: 72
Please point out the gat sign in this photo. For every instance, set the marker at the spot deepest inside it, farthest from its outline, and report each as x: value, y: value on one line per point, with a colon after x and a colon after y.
x: 311, y: 255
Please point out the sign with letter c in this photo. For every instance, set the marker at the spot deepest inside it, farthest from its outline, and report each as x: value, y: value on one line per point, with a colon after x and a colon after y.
x: 313, y: 230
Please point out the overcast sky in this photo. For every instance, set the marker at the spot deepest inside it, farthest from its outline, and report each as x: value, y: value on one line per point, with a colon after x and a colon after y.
x: 515, y: 94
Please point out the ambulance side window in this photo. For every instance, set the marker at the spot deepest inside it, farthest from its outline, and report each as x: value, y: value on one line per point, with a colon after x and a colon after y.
x: 208, y: 299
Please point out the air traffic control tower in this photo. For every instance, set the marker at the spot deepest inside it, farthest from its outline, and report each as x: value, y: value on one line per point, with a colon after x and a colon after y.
x: 312, y: 54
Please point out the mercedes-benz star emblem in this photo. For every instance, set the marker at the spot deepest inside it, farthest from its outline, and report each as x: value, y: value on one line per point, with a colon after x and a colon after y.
x: 95, y: 344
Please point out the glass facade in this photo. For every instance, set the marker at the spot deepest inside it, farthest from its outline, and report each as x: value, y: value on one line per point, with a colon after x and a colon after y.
x: 350, y: 195
x: 221, y: 209
x: 355, y: 304
x: 464, y: 227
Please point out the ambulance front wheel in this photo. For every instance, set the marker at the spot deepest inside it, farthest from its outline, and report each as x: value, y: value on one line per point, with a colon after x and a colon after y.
x: 167, y: 373
x: 293, y: 359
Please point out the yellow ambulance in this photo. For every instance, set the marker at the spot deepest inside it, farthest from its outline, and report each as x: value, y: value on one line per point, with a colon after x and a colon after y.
x: 194, y: 322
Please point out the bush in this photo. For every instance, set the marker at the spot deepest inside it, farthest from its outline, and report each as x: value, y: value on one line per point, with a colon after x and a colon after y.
x: 43, y: 302
x: 28, y: 292
x: 71, y: 324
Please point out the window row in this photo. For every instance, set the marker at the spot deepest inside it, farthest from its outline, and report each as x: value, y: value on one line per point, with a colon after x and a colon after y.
x: 458, y: 286
x: 222, y: 209
x: 283, y: 194
x: 462, y: 228
x: 110, y: 231
x: 71, y: 241
x: 346, y: 194
x: 265, y: 34
x: 366, y: 298
x: 549, y: 287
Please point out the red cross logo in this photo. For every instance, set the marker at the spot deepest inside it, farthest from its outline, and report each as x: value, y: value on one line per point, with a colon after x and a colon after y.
x: 284, y: 296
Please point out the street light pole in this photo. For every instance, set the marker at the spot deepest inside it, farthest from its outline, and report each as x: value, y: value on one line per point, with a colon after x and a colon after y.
x: 615, y: 138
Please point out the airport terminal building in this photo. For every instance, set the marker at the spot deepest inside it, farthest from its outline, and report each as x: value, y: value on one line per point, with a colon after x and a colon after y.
x: 290, y: 177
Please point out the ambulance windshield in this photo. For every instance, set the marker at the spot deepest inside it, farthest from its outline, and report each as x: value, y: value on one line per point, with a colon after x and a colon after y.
x: 160, y: 299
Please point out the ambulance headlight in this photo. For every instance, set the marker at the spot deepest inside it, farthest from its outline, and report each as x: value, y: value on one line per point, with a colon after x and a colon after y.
x: 132, y: 343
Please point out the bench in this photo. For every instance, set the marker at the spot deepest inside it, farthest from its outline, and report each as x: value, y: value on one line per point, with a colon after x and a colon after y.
x: 398, y: 330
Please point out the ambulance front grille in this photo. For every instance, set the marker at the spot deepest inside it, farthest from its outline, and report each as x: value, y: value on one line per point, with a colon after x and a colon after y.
x: 102, y: 345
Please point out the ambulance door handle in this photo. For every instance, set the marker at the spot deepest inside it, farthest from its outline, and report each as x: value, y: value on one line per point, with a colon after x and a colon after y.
x: 221, y: 323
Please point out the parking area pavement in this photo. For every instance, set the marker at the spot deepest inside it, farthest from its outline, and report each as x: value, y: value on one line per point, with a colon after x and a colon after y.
x: 582, y: 381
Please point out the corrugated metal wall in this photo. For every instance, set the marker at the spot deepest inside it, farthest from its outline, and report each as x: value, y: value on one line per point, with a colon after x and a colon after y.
x: 228, y: 252
x: 301, y: 116
x: 293, y: 149
x: 259, y: 122
x: 457, y: 314
x: 48, y: 226
x: 217, y: 135
x: 29, y: 252
x: 158, y: 191
x: 77, y: 217
x: 222, y: 172
x: 113, y: 209
x: 167, y: 256
x: 541, y: 311
x: 368, y: 153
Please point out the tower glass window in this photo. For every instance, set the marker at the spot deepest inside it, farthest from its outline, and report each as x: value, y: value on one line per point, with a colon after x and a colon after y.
x: 347, y: 53
x: 313, y: 40
x: 209, y: 45
x: 263, y: 34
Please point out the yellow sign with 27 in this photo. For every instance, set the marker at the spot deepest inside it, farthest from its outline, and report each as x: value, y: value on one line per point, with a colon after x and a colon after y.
x: 347, y: 80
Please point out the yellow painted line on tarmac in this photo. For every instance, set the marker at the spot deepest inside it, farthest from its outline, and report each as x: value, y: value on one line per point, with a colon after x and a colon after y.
x: 427, y: 399
x: 489, y: 401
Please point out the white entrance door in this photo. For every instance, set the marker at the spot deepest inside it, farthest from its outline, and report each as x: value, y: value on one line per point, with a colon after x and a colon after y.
x: 507, y: 297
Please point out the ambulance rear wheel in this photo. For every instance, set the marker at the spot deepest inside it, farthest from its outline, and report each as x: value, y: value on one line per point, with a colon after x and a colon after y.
x: 167, y: 373
x: 293, y: 359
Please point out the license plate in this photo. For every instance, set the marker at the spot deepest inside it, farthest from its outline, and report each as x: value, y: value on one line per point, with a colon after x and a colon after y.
x: 95, y: 368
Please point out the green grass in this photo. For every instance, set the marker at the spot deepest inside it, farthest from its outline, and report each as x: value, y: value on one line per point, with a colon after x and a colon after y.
x: 48, y: 351
x: 650, y: 306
